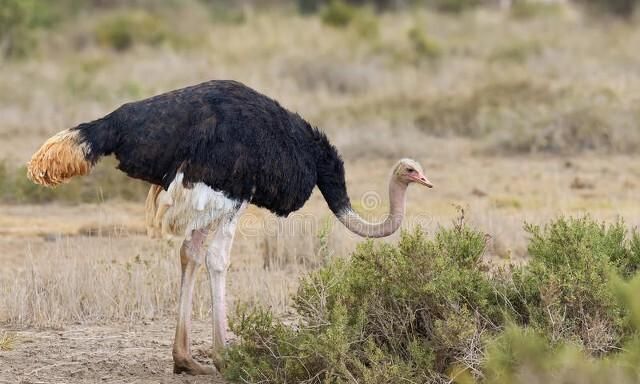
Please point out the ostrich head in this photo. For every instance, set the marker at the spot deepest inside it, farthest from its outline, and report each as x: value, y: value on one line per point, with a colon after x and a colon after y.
x: 405, y: 172
x: 409, y: 171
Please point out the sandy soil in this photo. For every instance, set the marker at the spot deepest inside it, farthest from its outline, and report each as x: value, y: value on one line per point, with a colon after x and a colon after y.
x: 124, y: 353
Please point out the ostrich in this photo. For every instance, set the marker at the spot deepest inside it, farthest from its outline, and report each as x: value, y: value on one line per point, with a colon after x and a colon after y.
x: 209, y: 150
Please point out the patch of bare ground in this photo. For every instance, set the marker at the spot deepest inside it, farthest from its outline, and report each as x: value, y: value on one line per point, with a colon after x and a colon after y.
x: 117, y: 353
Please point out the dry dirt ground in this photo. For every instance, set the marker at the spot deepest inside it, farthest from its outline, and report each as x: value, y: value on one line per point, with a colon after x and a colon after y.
x: 40, y: 244
x: 120, y: 353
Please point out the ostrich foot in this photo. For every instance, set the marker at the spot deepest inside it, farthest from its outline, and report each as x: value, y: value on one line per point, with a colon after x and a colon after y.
x: 190, y: 367
x: 218, y: 361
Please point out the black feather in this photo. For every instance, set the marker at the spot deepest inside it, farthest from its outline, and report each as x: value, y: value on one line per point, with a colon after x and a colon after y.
x: 228, y: 136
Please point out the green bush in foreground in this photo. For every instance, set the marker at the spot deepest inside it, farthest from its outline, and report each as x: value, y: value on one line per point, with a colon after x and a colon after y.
x: 565, y: 291
x: 427, y: 310
x: 521, y: 355
x: 390, y: 313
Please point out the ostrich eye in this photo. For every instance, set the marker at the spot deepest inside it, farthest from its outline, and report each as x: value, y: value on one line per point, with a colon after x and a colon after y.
x: 410, y: 170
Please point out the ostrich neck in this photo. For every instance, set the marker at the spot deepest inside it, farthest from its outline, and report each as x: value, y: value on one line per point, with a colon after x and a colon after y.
x: 359, y: 226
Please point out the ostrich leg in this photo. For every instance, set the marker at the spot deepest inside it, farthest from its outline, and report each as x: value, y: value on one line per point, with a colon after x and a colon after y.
x: 218, y: 258
x: 191, y: 258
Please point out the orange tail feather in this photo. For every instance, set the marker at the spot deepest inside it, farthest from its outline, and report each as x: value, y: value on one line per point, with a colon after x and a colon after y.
x: 59, y: 159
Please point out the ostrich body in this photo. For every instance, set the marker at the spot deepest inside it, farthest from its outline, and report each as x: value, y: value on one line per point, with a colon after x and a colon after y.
x: 209, y: 150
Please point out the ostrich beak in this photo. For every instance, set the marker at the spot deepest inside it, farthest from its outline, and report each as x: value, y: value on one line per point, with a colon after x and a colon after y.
x: 421, y: 179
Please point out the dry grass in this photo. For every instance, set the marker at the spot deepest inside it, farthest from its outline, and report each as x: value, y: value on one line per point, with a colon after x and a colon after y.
x: 554, y: 84
x: 91, y: 263
x: 7, y: 340
x: 103, y: 280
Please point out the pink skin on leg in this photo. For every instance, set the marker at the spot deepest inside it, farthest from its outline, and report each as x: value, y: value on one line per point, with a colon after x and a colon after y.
x: 217, y: 260
x: 191, y: 258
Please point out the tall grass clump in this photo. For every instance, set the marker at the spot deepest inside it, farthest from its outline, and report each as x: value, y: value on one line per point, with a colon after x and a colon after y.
x: 7, y: 340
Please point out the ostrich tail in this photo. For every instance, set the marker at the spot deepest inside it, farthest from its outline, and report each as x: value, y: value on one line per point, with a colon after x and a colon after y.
x: 154, y: 212
x: 59, y: 159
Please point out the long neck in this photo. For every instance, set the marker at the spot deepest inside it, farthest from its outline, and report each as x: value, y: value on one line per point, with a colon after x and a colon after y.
x: 331, y: 181
x: 356, y: 224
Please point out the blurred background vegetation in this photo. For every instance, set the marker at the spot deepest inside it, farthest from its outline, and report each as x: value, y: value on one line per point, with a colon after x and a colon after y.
x: 23, y: 22
x: 147, y: 21
x: 502, y: 77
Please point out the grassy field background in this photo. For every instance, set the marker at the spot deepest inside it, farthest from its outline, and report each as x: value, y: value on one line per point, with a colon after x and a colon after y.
x: 519, y: 114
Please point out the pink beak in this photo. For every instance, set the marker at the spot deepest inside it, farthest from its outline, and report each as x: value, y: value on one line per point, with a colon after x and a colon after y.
x: 421, y: 179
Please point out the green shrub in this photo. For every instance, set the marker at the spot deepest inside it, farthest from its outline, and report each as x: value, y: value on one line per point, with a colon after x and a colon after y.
x: 20, y: 21
x: 226, y: 12
x: 362, y: 320
x: 527, y: 9
x: 453, y: 6
x: 517, y: 51
x: 312, y: 6
x: 362, y: 20
x: 424, y: 311
x: 338, y: 13
x: 366, y: 24
x: 4, y: 178
x: 16, y: 37
x: 22, y: 190
x: 309, y: 6
x: 121, y: 31
x: 619, y: 8
x: 525, y: 355
x: 450, y: 6
x: 423, y: 45
x: 565, y: 291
